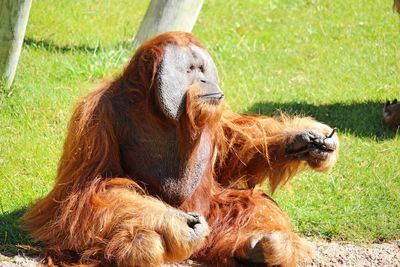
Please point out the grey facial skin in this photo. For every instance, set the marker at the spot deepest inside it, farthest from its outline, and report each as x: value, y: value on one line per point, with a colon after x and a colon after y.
x: 181, y: 67
x: 154, y: 153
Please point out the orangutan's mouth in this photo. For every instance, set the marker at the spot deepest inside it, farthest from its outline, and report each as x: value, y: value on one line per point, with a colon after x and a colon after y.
x: 213, y: 96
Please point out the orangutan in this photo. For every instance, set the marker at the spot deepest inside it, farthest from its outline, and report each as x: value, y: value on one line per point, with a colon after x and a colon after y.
x: 155, y: 170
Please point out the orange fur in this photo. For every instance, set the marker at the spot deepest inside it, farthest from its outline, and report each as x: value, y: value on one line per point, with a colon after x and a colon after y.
x: 96, y: 215
x: 255, y: 149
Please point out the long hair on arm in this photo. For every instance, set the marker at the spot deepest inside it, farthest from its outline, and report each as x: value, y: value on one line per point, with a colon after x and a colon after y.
x: 90, y: 154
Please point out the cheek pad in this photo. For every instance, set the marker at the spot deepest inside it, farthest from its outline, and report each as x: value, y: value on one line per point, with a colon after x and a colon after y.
x: 173, y: 80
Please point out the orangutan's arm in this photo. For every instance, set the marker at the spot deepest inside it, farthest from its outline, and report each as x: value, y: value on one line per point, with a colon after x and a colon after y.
x: 258, y: 147
x: 116, y: 221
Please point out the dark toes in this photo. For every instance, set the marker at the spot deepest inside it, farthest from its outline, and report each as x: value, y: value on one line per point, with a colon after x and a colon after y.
x: 330, y: 144
x: 300, y: 141
x: 327, y: 143
x: 256, y: 254
x: 312, y: 143
x: 193, y: 219
x: 318, y: 141
x: 269, y: 248
x: 198, y: 224
x: 318, y: 153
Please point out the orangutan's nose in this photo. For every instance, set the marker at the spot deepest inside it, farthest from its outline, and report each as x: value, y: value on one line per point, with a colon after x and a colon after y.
x: 210, y: 90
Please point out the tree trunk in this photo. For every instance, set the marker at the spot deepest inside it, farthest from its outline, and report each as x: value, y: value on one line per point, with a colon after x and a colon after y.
x: 13, y: 20
x: 168, y: 15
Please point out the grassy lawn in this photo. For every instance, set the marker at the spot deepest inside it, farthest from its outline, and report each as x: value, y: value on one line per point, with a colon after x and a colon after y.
x: 337, y: 61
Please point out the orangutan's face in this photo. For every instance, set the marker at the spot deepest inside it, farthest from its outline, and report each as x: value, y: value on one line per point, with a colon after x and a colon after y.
x: 182, y: 68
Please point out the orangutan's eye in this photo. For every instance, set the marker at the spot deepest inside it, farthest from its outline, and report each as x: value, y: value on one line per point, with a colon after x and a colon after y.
x: 191, y: 68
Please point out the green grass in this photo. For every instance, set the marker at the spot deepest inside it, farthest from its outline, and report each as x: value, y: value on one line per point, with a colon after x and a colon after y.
x: 334, y: 60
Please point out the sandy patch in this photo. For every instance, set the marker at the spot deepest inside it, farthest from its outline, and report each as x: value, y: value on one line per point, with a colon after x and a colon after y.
x: 327, y: 254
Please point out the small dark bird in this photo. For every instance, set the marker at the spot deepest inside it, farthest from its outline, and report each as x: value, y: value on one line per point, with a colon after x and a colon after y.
x: 396, y: 5
x: 391, y: 113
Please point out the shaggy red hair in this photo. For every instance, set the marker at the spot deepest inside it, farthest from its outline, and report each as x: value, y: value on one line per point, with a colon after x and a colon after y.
x: 96, y: 215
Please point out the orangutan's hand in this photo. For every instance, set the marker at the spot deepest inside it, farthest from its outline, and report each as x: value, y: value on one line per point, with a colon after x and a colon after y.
x: 318, y: 146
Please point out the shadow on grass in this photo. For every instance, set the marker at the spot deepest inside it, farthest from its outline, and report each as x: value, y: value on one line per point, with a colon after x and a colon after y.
x: 51, y: 46
x: 13, y: 240
x: 362, y: 119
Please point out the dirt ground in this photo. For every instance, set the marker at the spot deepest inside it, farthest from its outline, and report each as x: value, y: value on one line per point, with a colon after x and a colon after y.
x: 327, y: 254
x: 342, y: 254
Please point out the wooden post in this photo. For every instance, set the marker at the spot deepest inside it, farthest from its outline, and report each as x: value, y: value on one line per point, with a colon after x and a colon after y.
x: 13, y: 20
x: 168, y: 15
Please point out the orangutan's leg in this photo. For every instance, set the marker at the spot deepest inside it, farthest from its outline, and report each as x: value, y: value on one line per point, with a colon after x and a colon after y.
x: 121, y: 225
x: 144, y: 231
x: 250, y: 227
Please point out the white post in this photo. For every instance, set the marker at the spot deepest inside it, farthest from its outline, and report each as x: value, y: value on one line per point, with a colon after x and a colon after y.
x: 168, y: 15
x: 13, y: 20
